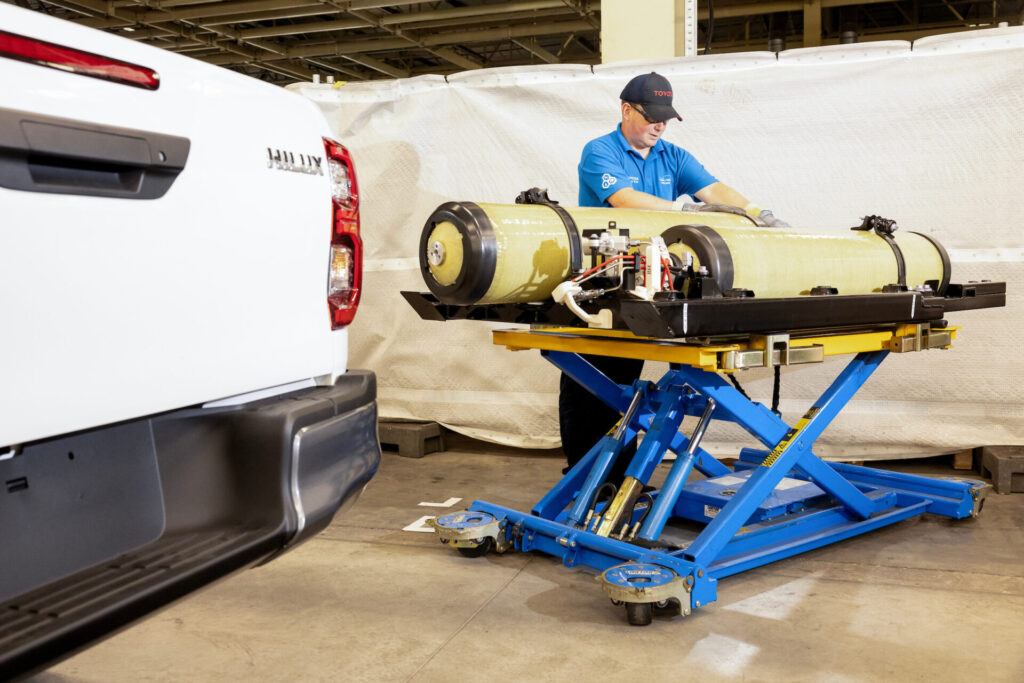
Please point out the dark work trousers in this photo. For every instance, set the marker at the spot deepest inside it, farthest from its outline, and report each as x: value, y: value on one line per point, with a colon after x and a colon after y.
x: 583, y: 418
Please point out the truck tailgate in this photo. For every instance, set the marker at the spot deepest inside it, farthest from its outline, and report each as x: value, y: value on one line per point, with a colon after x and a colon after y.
x: 128, y: 307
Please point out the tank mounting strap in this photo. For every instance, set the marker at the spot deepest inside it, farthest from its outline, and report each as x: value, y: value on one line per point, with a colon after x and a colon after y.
x: 535, y: 195
x: 901, y: 264
x: 947, y: 268
x: 884, y: 228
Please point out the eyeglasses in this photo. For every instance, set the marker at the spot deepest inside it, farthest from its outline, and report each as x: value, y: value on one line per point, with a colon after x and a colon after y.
x: 644, y: 114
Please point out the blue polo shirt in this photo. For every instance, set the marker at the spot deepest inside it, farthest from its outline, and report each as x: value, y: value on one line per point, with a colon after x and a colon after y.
x: 609, y: 164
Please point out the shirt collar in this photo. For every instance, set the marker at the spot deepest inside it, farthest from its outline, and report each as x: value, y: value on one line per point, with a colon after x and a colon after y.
x: 624, y: 144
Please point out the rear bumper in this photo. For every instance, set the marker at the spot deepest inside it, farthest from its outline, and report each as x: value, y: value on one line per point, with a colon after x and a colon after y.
x: 104, y: 527
x: 333, y: 460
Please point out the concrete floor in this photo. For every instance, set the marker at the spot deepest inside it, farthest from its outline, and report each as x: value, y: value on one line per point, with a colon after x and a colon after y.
x: 929, y: 599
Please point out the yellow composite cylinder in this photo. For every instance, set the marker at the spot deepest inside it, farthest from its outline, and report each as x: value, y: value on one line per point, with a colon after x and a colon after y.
x: 774, y: 263
x: 517, y: 253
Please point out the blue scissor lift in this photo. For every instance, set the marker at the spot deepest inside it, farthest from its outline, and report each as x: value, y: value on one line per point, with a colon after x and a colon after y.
x: 771, y: 504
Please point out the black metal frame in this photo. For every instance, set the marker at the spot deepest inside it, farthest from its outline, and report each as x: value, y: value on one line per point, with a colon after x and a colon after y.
x: 703, y: 317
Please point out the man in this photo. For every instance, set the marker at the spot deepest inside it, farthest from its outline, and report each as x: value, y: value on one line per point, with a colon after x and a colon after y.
x: 633, y: 168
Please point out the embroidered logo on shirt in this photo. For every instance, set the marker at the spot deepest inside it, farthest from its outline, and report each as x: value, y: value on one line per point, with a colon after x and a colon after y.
x: 607, y: 180
x: 666, y: 180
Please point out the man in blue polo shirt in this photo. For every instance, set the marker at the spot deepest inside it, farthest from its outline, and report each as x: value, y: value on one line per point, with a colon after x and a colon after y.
x: 632, y: 167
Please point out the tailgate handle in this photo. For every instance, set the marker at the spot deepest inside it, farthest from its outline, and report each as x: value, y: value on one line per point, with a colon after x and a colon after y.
x: 63, y: 156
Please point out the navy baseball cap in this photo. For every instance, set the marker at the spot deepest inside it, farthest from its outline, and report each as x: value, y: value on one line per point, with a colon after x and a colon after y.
x: 654, y: 93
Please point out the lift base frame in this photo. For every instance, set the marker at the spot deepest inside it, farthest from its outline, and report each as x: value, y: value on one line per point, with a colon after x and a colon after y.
x: 780, y: 501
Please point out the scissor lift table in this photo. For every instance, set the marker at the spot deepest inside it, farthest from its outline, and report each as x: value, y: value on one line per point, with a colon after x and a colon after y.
x: 773, y: 503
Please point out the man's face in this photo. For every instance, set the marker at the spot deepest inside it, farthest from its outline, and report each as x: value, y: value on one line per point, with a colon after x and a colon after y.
x: 638, y: 130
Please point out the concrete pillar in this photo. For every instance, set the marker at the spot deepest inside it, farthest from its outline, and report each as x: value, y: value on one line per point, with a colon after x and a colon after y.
x: 647, y: 29
x: 812, y: 23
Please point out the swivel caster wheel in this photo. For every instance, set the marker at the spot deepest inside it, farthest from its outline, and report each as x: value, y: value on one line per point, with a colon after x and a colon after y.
x: 473, y: 534
x: 639, y: 613
x: 643, y: 587
x: 477, y: 551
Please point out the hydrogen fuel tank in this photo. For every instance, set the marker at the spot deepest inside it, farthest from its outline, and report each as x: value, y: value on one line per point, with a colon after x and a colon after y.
x: 482, y: 253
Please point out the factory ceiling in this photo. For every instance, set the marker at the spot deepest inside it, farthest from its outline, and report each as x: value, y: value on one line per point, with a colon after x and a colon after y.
x: 283, y: 41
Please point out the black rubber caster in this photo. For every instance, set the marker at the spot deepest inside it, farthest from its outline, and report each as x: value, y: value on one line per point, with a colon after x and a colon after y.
x: 638, y: 613
x: 478, y: 551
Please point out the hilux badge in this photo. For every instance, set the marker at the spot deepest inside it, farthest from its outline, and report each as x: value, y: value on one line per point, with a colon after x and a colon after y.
x: 298, y: 163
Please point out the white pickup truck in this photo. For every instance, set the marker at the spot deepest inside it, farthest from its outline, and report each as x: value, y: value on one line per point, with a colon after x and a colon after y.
x: 179, y: 258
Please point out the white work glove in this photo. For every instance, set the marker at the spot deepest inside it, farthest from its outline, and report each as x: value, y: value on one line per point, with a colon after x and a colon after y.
x: 769, y: 219
x: 765, y: 216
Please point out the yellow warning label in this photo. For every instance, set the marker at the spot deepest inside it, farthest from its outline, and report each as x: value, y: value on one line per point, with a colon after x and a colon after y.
x: 788, y: 438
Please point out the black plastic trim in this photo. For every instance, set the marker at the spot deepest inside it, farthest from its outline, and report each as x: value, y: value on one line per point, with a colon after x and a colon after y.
x: 66, y: 156
x: 60, y: 520
x: 228, y: 476
x: 710, y: 248
x: 64, y: 617
x: 479, y: 249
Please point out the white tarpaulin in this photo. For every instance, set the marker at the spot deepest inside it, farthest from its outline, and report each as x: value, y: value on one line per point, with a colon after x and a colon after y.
x: 931, y: 136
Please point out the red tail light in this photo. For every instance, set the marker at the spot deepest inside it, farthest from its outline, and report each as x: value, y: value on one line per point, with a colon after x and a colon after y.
x: 345, y: 276
x: 76, y: 61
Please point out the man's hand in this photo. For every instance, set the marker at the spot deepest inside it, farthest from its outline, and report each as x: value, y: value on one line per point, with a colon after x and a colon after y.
x: 765, y: 216
x: 770, y: 221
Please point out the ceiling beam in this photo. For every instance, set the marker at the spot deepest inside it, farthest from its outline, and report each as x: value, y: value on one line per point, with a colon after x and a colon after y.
x: 71, y: 7
x: 253, y: 54
x: 585, y: 10
x: 533, y: 47
x: 290, y: 70
x: 443, y: 53
x: 756, y: 8
x: 326, y: 66
x: 309, y: 27
x: 472, y: 11
x: 437, y: 39
x: 127, y: 17
x: 507, y: 32
x: 448, y: 15
x: 269, y: 15
x: 503, y: 19
x: 213, y: 9
x: 450, y: 55
x: 378, y: 65
x: 336, y: 49
x: 102, y: 8
x: 953, y: 10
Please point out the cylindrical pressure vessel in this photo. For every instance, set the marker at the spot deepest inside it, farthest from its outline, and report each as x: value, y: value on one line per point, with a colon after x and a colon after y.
x: 476, y: 253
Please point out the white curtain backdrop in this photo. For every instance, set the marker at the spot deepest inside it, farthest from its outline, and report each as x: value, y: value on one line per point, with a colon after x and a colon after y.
x: 930, y: 134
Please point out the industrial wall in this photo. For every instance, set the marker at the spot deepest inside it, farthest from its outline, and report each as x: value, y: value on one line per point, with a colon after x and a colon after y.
x: 931, y: 135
